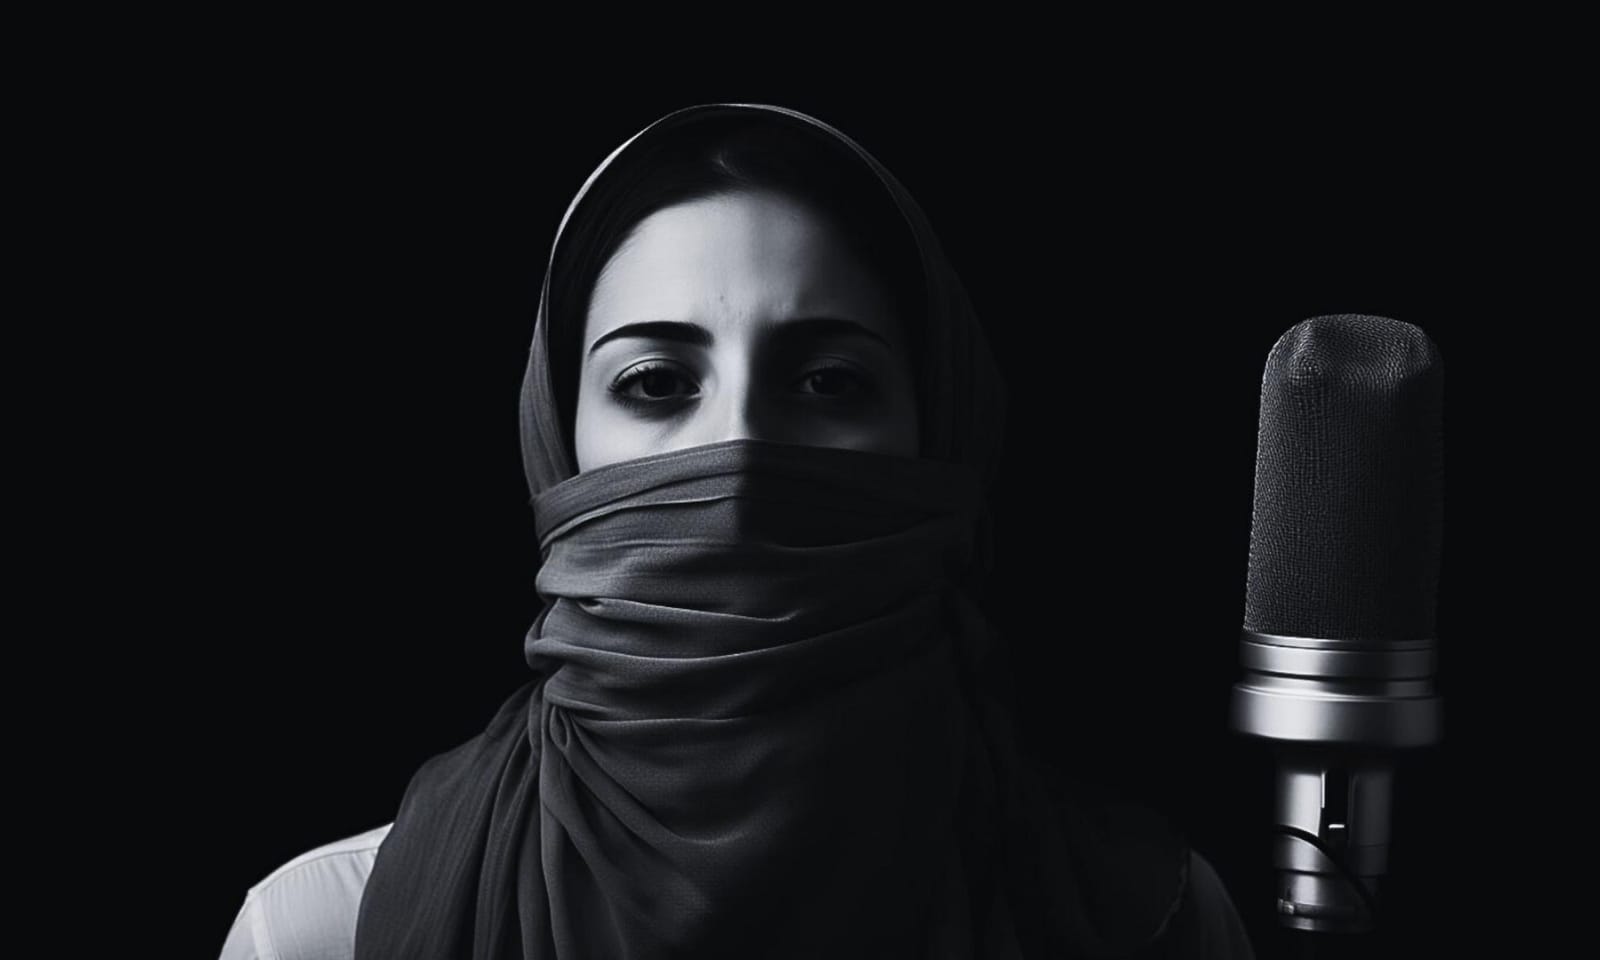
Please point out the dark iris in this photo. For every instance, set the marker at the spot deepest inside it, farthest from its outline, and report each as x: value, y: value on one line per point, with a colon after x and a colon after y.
x: 838, y: 377
x: 656, y: 383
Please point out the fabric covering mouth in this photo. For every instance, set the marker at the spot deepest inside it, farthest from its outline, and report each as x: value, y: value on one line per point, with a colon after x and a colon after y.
x: 767, y: 716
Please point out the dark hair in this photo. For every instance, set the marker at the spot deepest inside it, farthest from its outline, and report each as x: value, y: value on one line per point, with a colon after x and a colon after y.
x: 715, y: 156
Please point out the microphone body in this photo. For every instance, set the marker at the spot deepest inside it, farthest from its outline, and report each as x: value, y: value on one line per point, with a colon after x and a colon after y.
x: 1338, y: 646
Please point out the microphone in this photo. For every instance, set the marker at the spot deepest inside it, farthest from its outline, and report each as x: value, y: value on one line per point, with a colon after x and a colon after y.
x: 1338, y: 649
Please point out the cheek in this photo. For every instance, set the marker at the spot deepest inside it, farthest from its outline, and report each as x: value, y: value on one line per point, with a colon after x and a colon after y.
x: 605, y: 433
x: 898, y: 431
x: 891, y: 427
x: 897, y: 426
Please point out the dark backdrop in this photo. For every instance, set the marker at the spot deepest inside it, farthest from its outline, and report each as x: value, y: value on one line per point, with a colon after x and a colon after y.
x: 353, y: 549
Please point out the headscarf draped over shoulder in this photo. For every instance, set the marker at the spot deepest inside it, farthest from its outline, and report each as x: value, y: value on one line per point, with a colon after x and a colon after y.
x: 1055, y: 870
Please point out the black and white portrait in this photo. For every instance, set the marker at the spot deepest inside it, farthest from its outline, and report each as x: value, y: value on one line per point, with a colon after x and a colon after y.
x: 799, y: 520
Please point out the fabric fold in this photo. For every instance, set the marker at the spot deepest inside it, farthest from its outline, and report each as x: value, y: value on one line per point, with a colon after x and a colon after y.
x: 766, y: 715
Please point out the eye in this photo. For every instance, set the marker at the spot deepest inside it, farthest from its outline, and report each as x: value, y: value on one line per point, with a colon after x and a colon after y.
x: 834, y: 380
x: 656, y: 378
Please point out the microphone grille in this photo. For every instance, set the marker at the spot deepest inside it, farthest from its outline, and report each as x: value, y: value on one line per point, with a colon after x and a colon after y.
x: 1345, y: 528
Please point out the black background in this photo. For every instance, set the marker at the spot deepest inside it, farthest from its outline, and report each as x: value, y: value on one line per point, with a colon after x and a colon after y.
x: 359, y: 238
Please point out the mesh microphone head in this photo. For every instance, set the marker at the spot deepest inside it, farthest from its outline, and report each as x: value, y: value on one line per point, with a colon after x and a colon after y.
x: 1346, y: 525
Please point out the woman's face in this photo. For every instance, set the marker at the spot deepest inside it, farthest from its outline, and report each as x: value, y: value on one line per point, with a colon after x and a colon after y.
x: 740, y: 315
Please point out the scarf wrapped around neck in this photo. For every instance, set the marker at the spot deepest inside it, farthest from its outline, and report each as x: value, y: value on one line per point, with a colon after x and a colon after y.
x: 766, y: 716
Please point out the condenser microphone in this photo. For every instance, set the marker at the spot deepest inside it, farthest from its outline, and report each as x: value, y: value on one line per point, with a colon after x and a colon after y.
x: 1338, y: 648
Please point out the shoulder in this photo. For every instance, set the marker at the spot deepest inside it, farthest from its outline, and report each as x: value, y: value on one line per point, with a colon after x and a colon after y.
x: 307, y: 906
x: 1207, y: 925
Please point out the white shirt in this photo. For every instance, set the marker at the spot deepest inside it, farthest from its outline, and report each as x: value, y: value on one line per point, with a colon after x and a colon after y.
x: 306, y: 909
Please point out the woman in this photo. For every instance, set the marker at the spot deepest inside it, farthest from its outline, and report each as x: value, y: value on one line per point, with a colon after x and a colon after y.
x: 767, y: 717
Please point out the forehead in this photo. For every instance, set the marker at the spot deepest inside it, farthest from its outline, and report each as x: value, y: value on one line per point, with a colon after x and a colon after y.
x: 732, y: 263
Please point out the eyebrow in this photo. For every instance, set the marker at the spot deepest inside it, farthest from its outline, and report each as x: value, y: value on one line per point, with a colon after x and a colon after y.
x: 696, y: 335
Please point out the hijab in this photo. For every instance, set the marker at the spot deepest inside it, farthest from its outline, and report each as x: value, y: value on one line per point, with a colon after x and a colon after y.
x: 766, y: 716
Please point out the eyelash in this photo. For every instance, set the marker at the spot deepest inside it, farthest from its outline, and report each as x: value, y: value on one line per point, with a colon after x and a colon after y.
x: 628, y: 377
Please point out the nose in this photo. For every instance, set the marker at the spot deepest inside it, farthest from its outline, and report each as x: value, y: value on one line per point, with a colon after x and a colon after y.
x: 742, y: 412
